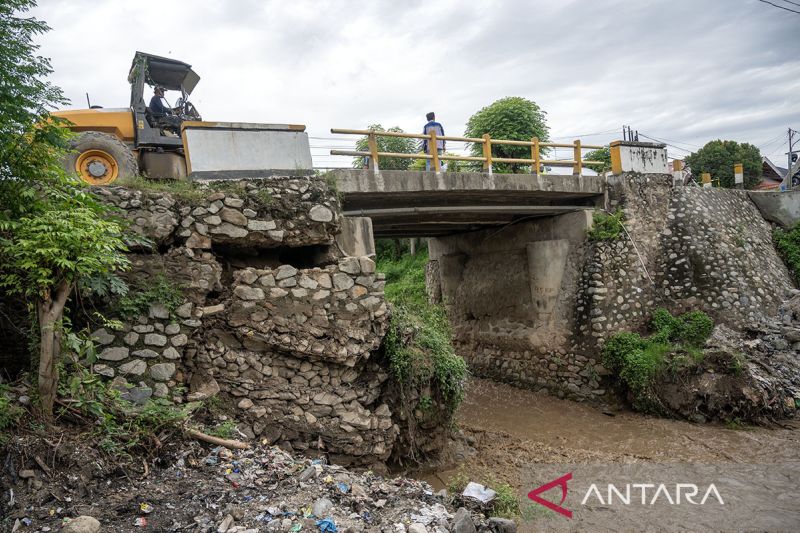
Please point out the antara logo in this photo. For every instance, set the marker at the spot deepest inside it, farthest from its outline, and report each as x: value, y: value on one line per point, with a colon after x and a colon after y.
x: 560, y: 482
x: 648, y: 494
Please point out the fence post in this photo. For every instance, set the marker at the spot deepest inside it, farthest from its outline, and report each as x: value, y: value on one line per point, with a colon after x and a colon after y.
x: 535, y: 154
x: 434, y: 151
x: 578, y: 167
x: 487, y: 153
x: 373, y: 150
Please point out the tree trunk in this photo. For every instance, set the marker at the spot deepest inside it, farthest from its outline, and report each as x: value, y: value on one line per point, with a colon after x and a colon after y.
x: 50, y: 310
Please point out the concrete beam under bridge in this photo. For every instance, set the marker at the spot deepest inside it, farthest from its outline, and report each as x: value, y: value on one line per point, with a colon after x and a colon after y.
x: 424, y: 204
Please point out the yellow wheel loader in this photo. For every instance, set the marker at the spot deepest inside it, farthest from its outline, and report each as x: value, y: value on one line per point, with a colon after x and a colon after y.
x: 123, y: 142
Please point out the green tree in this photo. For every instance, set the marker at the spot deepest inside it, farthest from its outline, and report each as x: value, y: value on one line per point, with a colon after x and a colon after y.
x: 53, y: 234
x: 399, y: 145
x: 718, y: 157
x: 512, y: 118
x: 604, y: 155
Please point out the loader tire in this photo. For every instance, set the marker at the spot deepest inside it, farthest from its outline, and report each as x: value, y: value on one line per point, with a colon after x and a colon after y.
x: 100, y: 158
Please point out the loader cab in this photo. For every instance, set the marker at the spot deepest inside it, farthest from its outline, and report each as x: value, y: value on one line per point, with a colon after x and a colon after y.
x: 147, y: 72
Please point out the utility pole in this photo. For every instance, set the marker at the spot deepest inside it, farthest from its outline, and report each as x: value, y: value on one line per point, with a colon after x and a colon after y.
x: 793, y: 165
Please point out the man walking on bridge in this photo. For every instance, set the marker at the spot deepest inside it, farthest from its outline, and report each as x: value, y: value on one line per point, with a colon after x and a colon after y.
x: 432, y: 125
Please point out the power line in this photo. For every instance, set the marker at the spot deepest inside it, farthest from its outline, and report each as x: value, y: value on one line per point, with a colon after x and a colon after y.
x: 780, y: 7
x: 586, y: 134
x: 790, y: 2
x: 668, y: 144
x: 772, y: 140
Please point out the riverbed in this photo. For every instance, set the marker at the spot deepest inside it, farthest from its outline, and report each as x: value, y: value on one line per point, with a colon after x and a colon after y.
x: 510, y: 429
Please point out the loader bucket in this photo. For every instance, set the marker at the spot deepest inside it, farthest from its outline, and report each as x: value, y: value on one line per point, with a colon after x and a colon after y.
x: 235, y: 150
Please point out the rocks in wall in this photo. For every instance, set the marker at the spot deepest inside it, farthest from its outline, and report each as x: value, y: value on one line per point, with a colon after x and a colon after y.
x: 145, y: 357
x: 257, y: 213
x: 336, y: 313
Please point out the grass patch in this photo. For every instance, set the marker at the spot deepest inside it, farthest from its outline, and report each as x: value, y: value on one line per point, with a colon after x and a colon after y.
x: 504, y: 505
x: 606, y: 226
x: 676, y: 342
x: 418, y: 342
x: 787, y: 242
x: 223, y: 430
x: 181, y: 189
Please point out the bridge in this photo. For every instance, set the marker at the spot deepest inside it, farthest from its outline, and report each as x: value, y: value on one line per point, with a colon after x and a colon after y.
x: 436, y: 203
x: 429, y: 204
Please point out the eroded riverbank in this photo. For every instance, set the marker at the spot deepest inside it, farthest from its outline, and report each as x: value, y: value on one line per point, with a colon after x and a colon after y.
x: 514, y: 428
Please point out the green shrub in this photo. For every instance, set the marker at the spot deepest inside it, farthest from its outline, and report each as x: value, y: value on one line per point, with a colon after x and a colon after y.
x: 606, y: 226
x: 695, y: 327
x: 617, y: 349
x: 690, y: 329
x: 642, y: 365
x: 638, y: 361
x: 787, y: 242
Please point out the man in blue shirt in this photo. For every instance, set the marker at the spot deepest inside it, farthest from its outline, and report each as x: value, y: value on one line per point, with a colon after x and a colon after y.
x: 163, y: 115
x: 432, y: 125
x: 157, y: 107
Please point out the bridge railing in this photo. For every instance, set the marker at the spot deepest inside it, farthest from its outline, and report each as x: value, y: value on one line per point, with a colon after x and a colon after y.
x: 577, y: 162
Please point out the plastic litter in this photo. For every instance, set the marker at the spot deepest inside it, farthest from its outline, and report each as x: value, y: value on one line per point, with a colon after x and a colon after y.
x: 140, y: 522
x: 146, y: 508
x: 478, y: 492
x: 344, y: 488
x: 296, y: 527
x: 326, y: 525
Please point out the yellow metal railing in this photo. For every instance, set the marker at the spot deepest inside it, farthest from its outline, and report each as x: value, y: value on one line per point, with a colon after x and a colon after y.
x: 577, y: 162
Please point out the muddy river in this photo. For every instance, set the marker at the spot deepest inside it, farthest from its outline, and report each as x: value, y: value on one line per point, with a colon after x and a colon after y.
x: 512, y: 428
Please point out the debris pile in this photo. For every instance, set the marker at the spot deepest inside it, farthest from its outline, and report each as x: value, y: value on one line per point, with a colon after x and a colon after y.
x: 227, y: 491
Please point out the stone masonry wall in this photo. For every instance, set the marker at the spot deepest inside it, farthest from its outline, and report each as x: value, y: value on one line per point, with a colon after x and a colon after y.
x: 288, y: 343
x: 685, y: 249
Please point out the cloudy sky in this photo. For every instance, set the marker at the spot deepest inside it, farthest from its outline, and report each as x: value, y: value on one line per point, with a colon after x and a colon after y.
x: 683, y: 71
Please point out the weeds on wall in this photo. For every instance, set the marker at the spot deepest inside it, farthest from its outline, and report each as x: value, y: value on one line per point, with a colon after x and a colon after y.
x: 606, y: 226
x: 181, y: 189
x: 143, y: 294
x: 119, y: 427
x: 676, y: 342
x: 787, y: 243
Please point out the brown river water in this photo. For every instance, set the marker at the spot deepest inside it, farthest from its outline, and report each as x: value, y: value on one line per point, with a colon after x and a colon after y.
x: 512, y: 428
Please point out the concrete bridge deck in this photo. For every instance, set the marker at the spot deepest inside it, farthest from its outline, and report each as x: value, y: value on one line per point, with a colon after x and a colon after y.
x: 425, y: 204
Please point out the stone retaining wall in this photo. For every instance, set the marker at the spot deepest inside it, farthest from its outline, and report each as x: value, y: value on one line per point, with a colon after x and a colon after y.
x: 289, y: 344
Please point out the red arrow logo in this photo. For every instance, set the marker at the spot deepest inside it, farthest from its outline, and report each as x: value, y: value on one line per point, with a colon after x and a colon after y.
x: 560, y: 482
